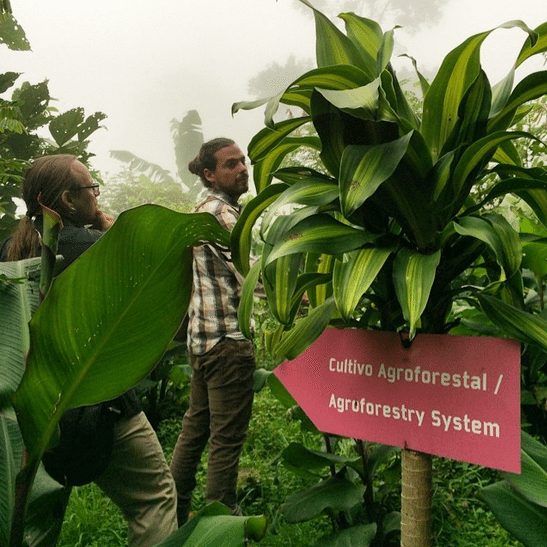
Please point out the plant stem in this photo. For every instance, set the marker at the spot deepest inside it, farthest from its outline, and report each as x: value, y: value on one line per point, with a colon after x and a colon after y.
x: 416, y: 499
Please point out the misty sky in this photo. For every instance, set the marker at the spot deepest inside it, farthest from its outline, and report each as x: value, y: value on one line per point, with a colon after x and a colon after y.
x: 144, y: 63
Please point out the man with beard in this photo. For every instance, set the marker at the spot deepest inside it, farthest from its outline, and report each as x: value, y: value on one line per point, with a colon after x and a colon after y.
x: 222, y: 360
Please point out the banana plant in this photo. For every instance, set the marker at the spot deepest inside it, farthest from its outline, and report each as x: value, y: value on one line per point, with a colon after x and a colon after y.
x: 383, y: 230
x: 103, y: 325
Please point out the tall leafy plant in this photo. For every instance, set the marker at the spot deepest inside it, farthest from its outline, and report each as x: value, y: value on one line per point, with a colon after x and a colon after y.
x: 104, y: 324
x: 383, y: 235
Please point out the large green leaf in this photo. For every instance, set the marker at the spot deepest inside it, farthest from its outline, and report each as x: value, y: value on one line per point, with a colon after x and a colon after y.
x: 499, y: 235
x: 19, y: 299
x: 413, y: 276
x: 241, y: 236
x: 298, y: 92
x: 473, y: 114
x: 246, y: 303
x: 353, y: 276
x: 332, y: 46
x: 8, y: 471
x: 367, y: 36
x: 65, y: 126
x: 334, y: 493
x: 263, y: 170
x: 305, y: 332
x: 518, y: 324
x: 267, y: 139
x: 297, y: 455
x: 531, y: 483
x: 320, y: 234
x: 364, y: 168
x: 535, y: 43
x: 214, y: 526
x: 311, y: 190
x: 475, y: 158
x: 440, y: 112
x: 280, y: 281
x: 525, y: 520
x: 108, y: 318
x: 531, y: 87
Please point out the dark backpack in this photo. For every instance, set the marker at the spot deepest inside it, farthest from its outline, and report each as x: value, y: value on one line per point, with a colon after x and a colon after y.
x: 85, y: 444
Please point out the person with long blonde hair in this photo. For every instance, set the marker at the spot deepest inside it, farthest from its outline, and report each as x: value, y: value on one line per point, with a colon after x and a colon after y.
x: 131, y: 469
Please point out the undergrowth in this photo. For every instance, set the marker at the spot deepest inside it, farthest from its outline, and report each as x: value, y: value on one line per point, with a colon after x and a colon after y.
x: 460, y: 518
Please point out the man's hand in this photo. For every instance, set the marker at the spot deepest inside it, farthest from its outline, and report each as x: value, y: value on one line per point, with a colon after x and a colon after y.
x: 103, y: 222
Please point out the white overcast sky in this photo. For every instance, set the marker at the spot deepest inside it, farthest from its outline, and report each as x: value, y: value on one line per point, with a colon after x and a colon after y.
x: 145, y: 62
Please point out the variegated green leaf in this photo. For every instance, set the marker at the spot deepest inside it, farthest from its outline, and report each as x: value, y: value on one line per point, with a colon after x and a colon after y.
x: 413, y: 276
x: 473, y: 114
x: 367, y: 36
x: 298, y: 93
x: 310, y: 191
x: 386, y: 50
x: 364, y: 168
x: 248, y: 105
x: 361, y: 102
x: 264, y: 169
x: 476, y: 155
x: 241, y: 236
x: 320, y: 234
x: 280, y: 281
x: 322, y: 264
x: 353, y: 276
x: 518, y: 324
x: 246, y: 303
x: 458, y: 70
x: 332, y: 47
x: 305, y: 332
x: 499, y: 235
x: 267, y: 139
x: 535, y: 43
x: 531, y: 87
x: 424, y: 84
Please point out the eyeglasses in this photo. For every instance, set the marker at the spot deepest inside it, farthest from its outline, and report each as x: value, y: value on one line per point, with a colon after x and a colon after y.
x: 95, y: 188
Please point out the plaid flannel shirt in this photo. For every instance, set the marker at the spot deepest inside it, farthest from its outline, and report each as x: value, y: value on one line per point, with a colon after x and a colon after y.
x: 212, y: 313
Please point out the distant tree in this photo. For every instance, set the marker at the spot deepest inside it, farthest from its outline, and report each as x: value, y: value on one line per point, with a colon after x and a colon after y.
x: 187, y: 139
x: 275, y: 77
x: 129, y: 189
x: 411, y: 15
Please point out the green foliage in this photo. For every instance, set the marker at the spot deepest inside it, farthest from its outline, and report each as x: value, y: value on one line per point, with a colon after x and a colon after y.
x: 23, y: 118
x: 80, y: 358
x: 417, y: 213
x: 11, y: 33
x: 397, y: 229
x: 128, y: 189
x: 519, y: 502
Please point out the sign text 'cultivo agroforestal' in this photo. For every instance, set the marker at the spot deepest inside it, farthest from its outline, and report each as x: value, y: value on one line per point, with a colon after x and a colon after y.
x: 451, y: 396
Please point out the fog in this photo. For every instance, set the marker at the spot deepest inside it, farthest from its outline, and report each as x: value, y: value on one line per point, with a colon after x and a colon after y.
x: 145, y: 63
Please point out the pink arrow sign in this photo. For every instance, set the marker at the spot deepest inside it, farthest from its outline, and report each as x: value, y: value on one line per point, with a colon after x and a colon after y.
x: 451, y: 396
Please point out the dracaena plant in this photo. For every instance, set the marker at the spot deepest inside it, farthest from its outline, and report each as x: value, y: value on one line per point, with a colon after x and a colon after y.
x: 387, y: 230
x: 382, y: 230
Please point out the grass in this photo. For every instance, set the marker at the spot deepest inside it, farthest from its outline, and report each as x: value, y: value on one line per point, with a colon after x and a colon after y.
x: 460, y: 517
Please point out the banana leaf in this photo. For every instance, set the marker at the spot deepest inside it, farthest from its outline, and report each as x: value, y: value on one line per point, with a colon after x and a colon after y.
x: 109, y: 317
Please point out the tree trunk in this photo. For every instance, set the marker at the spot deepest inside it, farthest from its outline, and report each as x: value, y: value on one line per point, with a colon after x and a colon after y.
x: 416, y: 499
